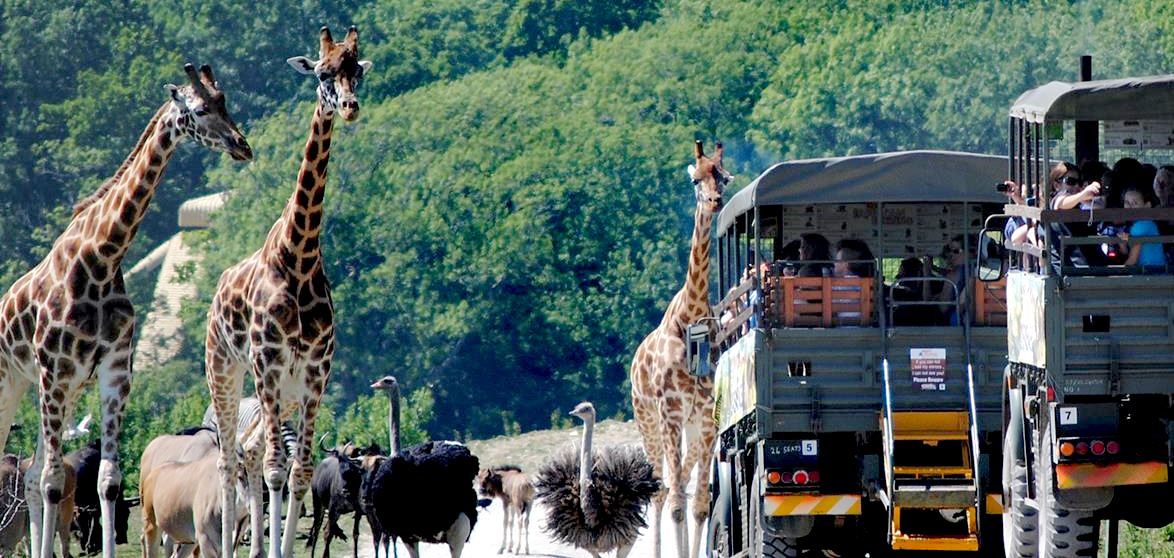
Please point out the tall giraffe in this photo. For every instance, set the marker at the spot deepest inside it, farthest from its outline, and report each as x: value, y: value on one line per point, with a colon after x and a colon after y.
x: 272, y: 313
x: 69, y: 322
x: 668, y: 401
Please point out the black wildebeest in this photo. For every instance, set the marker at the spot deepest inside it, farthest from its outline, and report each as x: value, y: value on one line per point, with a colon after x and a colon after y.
x: 335, y: 490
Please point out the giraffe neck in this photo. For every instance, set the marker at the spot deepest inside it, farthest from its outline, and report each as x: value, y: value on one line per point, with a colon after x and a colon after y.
x: 692, y: 302
x: 296, y: 233
x: 110, y: 218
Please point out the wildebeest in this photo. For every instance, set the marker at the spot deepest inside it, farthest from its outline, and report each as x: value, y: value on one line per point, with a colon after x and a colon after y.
x: 87, y: 520
x: 335, y: 490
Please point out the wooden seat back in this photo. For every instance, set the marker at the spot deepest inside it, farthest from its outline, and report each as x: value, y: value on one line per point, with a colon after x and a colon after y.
x: 823, y: 301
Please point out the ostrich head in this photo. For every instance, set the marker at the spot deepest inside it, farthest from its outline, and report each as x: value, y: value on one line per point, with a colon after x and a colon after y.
x: 585, y: 411
x: 386, y: 383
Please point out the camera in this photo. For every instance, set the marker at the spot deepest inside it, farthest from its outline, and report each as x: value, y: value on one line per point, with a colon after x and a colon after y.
x: 1002, y: 187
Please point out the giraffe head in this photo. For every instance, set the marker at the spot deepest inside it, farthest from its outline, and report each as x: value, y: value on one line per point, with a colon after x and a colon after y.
x: 203, y: 116
x: 339, y: 71
x: 709, y: 178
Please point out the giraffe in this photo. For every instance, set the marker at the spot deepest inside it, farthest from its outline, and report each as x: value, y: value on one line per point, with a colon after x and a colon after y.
x: 272, y: 312
x: 668, y: 401
x: 68, y: 322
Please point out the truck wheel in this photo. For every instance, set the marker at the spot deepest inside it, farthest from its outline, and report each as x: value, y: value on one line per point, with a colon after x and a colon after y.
x: 1019, y: 521
x: 778, y: 547
x: 1063, y: 532
x: 767, y: 544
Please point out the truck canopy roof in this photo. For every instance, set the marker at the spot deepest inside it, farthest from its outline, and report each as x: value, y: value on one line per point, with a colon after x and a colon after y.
x: 1135, y: 98
x: 896, y: 177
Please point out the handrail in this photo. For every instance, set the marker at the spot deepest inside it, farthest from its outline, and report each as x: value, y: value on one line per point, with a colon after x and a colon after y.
x: 973, y: 432
x: 1085, y: 215
x: 888, y: 434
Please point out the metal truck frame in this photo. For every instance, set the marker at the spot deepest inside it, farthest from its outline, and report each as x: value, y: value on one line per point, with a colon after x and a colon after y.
x: 1087, y: 405
x: 842, y: 426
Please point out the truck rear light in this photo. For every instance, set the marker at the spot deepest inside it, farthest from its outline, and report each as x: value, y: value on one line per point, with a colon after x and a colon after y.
x: 1098, y: 447
x: 1051, y: 393
x: 773, y: 477
x: 814, y: 475
x: 1067, y: 449
x: 801, y: 477
x: 786, y: 478
x: 1112, y: 448
x: 1082, y: 448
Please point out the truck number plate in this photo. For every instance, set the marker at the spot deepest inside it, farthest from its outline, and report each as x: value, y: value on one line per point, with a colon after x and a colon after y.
x: 1068, y: 415
x: 803, y: 447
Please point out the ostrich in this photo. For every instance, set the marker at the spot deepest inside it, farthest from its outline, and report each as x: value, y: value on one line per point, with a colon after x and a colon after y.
x: 596, y: 500
x: 424, y: 493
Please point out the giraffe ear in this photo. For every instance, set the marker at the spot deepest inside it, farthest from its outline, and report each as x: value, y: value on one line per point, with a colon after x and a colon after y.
x: 302, y: 64
x: 174, y: 91
x: 692, y: 173
x: 366, y: 66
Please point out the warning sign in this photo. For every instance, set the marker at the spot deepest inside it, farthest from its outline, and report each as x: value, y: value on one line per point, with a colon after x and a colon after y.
x: 929, y: 368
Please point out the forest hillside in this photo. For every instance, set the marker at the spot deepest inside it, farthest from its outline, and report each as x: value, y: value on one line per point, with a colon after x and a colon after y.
x: 508, y: 217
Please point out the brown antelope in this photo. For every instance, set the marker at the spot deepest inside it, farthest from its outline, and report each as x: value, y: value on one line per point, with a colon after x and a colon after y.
x: 509, y: 484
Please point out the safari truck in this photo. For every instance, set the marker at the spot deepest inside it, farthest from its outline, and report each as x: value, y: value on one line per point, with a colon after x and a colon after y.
x: 858, y: 390
x: 1087, y: 399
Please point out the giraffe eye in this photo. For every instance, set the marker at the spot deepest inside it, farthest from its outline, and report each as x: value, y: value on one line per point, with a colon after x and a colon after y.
x: 201, y: 112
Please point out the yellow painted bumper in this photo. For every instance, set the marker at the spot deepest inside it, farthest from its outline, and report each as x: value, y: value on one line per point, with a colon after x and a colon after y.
x: 811, y: 504
x: 1093, y: 475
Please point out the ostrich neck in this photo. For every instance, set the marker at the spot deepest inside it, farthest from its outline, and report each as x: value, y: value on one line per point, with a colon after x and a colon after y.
x: 393, y: 421
x: 585, y: 461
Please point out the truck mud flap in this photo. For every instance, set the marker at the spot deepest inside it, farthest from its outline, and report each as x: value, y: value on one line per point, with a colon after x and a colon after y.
x: 810, y: 504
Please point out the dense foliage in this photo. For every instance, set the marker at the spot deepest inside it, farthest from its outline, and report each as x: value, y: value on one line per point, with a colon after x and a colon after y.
x: 510, y: 214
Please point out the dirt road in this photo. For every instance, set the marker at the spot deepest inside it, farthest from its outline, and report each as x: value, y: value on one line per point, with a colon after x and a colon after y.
x: 486, y: 539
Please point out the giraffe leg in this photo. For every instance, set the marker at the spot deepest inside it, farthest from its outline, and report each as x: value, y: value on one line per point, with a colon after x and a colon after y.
x: 650, y: 435
x: 671, y: 433
x: 700, y: 446
x: 32, y: 498
x: 52, y: 475
x: 225, y: 382
x: 114, y: 377
x: 302, y: 468
x: 253, y: 472
x: 275, y: 464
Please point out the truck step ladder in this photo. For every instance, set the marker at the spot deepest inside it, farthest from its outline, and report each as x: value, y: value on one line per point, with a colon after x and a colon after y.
x: 932, y: 485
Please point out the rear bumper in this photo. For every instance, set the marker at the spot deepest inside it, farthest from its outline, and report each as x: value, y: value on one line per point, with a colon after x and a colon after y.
x: 1096, y: 475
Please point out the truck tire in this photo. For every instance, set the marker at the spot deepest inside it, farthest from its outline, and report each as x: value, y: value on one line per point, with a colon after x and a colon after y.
x: 778, y: 547
x: 1020, y: 522
x: 1062, y: 532
x: 766, y: 544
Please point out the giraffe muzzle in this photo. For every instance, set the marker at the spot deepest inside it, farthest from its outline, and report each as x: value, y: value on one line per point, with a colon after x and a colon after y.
x: 240, y: 151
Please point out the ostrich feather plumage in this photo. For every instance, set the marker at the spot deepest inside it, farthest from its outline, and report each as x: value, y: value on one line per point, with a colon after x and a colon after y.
x: 611, y: 512
x: 430, y: 484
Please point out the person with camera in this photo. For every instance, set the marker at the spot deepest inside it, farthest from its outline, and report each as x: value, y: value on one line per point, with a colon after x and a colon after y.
x: 1018, y: 230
